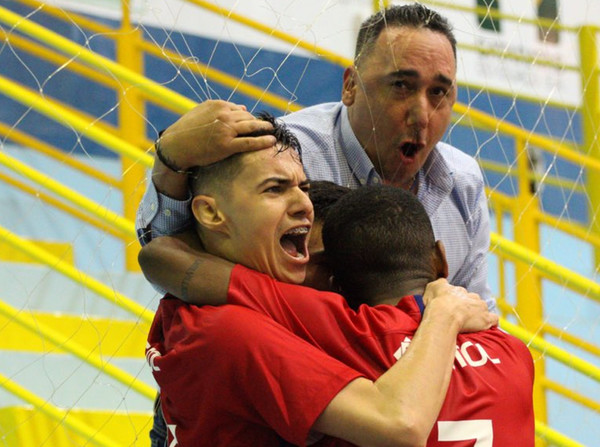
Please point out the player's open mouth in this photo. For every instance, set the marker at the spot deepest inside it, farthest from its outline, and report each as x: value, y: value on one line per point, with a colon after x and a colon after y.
x: 294, y: 242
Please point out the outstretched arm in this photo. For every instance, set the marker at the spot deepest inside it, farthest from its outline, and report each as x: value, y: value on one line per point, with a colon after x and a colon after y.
x: 179, y: 265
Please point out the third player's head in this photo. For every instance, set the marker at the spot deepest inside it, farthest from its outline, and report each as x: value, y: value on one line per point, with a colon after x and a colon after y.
x: 401, y: 89
x: 380, y: 244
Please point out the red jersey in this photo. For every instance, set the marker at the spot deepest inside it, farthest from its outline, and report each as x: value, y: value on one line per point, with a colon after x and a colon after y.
x: 230, y: 376
x: 489, y: 399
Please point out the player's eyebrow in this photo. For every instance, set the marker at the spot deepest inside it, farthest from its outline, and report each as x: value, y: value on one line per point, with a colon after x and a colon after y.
x: 282, y: 181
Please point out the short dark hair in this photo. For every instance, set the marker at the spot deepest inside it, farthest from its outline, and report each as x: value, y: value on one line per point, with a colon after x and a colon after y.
x: 375, y: 238
x: 220, y: 173
x: 323, y: 195
x: 414, y: 15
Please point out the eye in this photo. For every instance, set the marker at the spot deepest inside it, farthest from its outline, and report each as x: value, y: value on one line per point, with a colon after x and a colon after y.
x: 400, y: 84
x: 439, y: 91
x: 275, y: 189
x: 305, y: 188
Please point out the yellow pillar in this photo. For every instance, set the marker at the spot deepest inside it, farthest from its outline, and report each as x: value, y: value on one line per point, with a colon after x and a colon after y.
x: 590, y: 118
x: 132, y: 128
x: 529, y: 303
x: 378, y: 5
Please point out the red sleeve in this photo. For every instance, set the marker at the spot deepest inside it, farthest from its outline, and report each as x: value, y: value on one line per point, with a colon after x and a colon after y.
x: 228, y: 372
x: 302, y: 310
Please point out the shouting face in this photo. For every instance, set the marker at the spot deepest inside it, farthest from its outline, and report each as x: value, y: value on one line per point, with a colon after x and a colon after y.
x: 400, y: 100
x: 263, y: 218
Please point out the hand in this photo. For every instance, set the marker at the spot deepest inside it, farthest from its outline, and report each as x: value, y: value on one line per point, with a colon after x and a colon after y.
x: 440, y: 287
x: 463, y: 311
x: 211, y: 132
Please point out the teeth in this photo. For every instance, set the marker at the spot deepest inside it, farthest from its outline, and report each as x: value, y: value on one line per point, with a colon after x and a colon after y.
x: 299, y: 230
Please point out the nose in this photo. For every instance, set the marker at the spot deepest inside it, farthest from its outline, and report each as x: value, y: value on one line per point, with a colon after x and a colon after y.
x: 301, y: 205
x: 418, y: 112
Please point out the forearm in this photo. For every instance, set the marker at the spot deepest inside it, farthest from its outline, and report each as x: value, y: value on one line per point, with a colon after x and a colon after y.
x: 178, y: 265
x: 160, y: 215
x: 401, y: 406
x: 415, y: 387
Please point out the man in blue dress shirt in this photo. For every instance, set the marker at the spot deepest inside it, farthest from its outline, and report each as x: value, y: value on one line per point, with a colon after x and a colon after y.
x: 396, y: 105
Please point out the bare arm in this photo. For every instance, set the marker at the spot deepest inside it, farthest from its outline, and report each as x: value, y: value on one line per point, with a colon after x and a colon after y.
x: 401, y: 406
x: 179, y: 265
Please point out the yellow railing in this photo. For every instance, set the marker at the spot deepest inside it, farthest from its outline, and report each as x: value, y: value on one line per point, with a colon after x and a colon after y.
x: 76, y: 275
x: 53, y: 336
x: 61, y: 416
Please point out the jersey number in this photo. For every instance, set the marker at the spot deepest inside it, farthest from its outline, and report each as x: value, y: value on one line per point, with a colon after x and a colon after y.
x: 478, y: 429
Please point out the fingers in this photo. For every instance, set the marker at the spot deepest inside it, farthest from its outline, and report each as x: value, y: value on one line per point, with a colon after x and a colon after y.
x: 248, y: 124
x: 244, y: 144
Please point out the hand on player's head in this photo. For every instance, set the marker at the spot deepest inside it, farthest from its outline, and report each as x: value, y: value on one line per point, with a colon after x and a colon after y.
x: 211, y: 132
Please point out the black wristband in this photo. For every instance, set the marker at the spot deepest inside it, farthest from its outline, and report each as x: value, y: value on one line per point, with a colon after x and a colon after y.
x: 165, y: 161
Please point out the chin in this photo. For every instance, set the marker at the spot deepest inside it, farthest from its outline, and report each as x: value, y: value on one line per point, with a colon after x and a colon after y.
x: 291, y: 277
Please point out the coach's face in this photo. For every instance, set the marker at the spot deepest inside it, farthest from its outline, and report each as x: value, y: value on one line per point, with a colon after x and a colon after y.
x: 268, y: 215
x: 400, y: 100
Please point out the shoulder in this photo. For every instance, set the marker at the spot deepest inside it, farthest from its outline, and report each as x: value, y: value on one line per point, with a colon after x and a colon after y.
x: 508, y: 343
x: 458, y: 162
x: 316, y: 121
x: 461, y: 171
x: 317, y: 113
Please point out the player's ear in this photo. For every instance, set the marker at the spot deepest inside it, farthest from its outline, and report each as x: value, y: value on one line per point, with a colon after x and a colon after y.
x: 440, y: 264
x: 349, y: 86
x: 207, y: 213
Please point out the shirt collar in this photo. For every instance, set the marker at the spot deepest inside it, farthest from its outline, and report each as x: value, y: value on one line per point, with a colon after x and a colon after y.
x: 436, y: 174
x: 358, y: 161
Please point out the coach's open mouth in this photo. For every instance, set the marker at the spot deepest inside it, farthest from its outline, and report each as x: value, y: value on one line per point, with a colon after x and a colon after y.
x: 409, y: 149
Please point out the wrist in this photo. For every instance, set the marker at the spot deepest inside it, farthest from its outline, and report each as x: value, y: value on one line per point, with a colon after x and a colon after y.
x: 444, y: 316
x: 167, y: 161
x: 168, y: 182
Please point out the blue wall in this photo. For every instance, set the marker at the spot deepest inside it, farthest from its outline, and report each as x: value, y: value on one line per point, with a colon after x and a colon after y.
x: 301, y: 80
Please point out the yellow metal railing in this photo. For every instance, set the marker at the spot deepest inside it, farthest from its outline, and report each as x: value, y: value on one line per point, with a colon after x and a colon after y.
x: 76, y: 275
x: 102, y: 213
x: 90, y: 434
x: 53, y: 336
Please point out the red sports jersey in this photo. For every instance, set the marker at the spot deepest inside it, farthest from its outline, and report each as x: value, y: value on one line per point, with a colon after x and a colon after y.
x: 230, y: 376
x: 489, y: 399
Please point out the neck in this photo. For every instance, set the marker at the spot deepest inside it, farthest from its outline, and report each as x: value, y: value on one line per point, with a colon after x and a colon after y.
x: 411, y: 184
x: 414, y: 286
